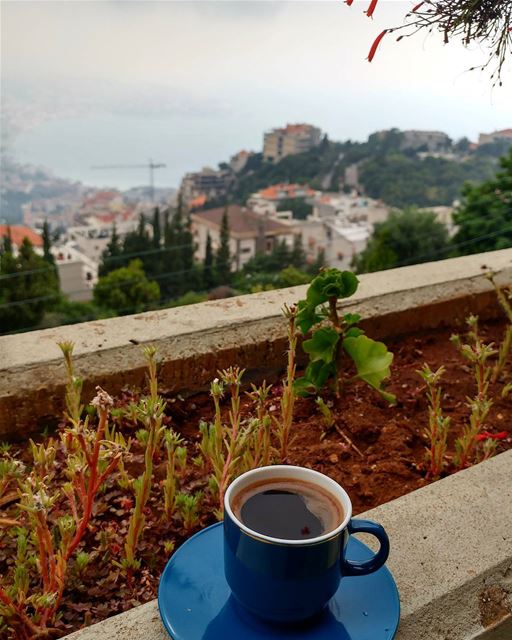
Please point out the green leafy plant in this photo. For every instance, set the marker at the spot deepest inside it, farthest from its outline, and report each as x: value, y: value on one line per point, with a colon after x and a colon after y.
x: 150, y: 414
x: 504, y: 296
x: 176, y: 456
x: 478, y: 353
x: 89, y: 461
x: 333, y: 336
x: 74, y: 384
x: 188, y: 507
x: 438, y: 425
x: 259, y: 453
x: 223, y: 445
x: 10, y: 472
x: 283, y: 424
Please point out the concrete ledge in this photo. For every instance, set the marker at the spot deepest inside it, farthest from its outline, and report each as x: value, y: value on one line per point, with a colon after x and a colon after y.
x: 451, y: 556
x: 194, y: 341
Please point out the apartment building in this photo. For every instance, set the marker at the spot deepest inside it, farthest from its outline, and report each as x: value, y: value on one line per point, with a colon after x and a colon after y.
x: 430, y: 140
x: 238, y: 161
x: 349, y: 208
x: 249, y: 233
x: 289, y: 140
x: 268, y: 199
x: 504, y: 134
x: 208, y: 182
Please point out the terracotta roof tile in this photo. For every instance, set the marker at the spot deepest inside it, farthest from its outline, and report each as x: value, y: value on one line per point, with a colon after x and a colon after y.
x: 242, y: 221
x: 18, y: 232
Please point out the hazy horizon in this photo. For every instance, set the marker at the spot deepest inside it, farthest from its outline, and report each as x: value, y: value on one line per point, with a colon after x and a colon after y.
x: 191, y: 83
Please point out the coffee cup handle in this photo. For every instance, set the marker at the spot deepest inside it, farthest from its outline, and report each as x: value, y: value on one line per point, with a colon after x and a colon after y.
x: 353, y: 568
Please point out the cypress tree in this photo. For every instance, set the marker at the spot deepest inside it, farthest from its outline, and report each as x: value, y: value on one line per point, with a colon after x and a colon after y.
x: 280, y: 256
x: 48, y: 256
x: 7, y: 242
x: 298, y: 256
x: 112, y: 256
x: 137, y: 244
x: 319, y: 263
x: 208, y: 266
x: 157, y: 234
x: 223, y: 257
x: 47, y: 243
x: 172, y: 285
x: 187, y: 244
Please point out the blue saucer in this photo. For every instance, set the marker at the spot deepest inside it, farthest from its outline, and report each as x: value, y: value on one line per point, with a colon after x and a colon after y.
x: 196, y: 604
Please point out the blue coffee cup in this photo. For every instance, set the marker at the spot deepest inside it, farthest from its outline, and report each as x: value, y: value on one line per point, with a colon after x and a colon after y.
x: 290, y: 581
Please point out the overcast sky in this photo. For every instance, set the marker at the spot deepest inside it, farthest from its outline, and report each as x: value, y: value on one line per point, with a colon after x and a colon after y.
x: 258, y: 64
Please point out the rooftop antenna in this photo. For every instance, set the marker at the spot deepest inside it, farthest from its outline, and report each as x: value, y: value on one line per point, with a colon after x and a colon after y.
x: 150, y: 165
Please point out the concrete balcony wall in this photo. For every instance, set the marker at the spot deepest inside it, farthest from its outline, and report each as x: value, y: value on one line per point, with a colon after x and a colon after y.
x: 193, y: 342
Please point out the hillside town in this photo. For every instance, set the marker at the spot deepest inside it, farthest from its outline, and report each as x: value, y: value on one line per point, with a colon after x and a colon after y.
x: 336, y: 224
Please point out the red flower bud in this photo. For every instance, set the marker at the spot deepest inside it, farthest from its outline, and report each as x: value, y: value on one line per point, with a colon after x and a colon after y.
x: 485, y: 435
x: 375, y: 45
x: 417, y: 7
x: 349, y: 2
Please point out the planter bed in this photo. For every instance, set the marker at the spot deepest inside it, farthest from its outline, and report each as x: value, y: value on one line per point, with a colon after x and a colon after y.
x: 414, y: 310
x: 390, y: 439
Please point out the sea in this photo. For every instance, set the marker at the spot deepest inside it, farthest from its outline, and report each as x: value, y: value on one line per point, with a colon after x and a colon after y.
x: 71, y: 147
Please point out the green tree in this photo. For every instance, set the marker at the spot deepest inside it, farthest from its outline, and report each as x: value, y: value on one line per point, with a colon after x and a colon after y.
x: 318, y: 264
x: 7, y: 242
x: 208, y: 266
x: 298, y: 255
x: 126, y: 290
x: 112, y: 257
x: 28, y: 287
x: 485, y: 216
x: 223, y: 257
x: 47, y: 244
x: 406, y: 237
x: 298, y: 206
x: 157, y: 234
x: 292, y: 277
x: 187, y: 244
x: 177, y: 254
x: 137, y: 244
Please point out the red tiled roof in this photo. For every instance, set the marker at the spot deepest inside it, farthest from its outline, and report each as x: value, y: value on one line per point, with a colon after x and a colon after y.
x: 18, y: 232
x: 242, y: 221
x: 102, y: 197
x: 290, y: 190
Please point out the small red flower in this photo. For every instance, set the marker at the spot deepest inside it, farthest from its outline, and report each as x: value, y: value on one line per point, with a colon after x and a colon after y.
x: 371, y: 8
x: 115, y: 548
x: 126, y: 503
x: 485, y: 435
x: 375, y: 45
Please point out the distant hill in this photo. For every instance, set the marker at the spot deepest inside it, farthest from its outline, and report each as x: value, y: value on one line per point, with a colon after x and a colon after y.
x: 22, y: 183
x: 387, y: 169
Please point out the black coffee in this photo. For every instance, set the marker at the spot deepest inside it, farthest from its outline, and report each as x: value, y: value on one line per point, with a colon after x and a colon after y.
x: 287, y: 509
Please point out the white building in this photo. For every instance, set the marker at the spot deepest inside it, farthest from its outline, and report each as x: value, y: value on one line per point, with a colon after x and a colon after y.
x: 77, y: 273
x: 92, y: 239
x: 350, y: 208
x: 249, y: 233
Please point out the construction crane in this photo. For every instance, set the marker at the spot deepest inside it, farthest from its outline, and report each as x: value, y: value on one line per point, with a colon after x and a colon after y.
x: 150, y: 165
